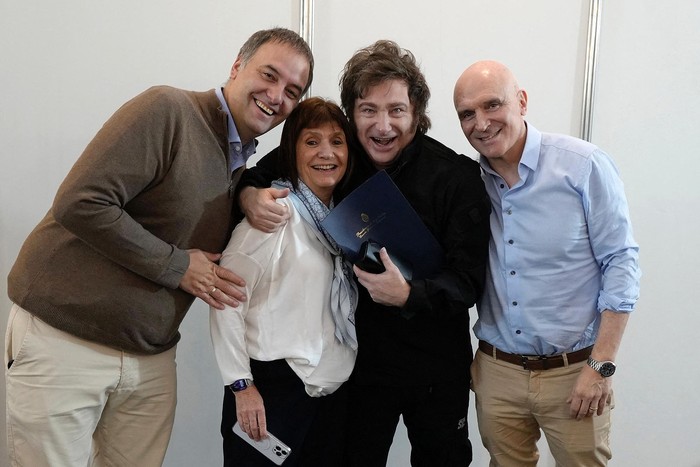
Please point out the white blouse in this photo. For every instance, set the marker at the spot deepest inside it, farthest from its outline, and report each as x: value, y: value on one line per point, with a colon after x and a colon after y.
x: 288, y: 277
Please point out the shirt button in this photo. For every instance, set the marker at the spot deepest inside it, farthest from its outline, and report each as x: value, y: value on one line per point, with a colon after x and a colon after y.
x: 518, y: 331
x: 515, y: 303
x: 509, y: 212
x: 510, y: 242
x: 502, y: 185
x: 512, y: 273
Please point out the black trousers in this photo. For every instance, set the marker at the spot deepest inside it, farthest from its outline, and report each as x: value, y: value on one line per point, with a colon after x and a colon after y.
x: 313, y: 427
x: 435, y: 418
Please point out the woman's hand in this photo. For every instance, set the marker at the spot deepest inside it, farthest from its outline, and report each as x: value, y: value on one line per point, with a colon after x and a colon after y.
x: 250, y: 413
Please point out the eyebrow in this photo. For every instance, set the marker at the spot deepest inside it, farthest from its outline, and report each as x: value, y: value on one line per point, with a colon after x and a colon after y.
x: 390, y: 104
x: 481, y: 104
x: 318, y: 132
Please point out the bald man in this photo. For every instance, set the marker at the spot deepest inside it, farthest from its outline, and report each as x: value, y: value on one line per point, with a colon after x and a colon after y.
x: 563, y: 277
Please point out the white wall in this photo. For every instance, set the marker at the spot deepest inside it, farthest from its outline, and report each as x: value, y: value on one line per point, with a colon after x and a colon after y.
x: 647, y: 115
x: 66, y: 66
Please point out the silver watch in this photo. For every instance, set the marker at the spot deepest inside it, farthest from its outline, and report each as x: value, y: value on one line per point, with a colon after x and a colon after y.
x: 606, y: 369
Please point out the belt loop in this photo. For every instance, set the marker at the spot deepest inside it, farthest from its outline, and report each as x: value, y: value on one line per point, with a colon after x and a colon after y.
x: 565, y: 357
x: 493, y: 352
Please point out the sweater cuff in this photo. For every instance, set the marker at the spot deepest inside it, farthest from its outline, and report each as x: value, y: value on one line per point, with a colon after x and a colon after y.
x: 179, y: 262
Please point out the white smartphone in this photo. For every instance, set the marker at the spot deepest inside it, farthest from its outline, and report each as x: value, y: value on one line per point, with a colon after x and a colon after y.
x: 271, y: 447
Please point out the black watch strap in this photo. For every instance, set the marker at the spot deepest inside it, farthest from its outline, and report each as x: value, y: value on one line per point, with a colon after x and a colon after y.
x: 240, y: 384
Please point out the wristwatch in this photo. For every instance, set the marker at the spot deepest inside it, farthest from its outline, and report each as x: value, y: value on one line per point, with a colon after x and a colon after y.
x: 240, y: 384
x: 606, y: 369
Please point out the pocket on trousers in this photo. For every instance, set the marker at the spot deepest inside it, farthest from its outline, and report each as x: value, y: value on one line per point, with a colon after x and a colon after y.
x: 15, y: 336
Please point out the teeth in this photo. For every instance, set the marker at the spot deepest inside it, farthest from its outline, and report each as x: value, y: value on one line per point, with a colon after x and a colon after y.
x: 489, y: 137
x: 264, y: 108
x: 383, y: 140
x: 324, y: 167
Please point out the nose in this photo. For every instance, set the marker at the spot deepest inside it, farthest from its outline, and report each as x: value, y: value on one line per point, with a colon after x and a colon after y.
x: 383, y: 122
x: 276, y: 93
x: 482, y: 121
x: 325, y: 150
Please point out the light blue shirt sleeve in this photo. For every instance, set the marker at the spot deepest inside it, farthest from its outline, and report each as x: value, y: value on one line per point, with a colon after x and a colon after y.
x: 610, y: 232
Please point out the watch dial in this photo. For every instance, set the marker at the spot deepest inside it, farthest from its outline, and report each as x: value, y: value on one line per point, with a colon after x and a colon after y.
x: 607, y: 369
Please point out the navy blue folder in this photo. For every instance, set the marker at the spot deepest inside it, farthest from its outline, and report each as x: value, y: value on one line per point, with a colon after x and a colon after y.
x: 378, y: 211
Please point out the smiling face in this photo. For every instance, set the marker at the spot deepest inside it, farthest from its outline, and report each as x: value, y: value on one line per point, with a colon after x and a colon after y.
x: 263, y: 91
x: 384, y: 121
x: 321, y: 159
x: 491, y: 110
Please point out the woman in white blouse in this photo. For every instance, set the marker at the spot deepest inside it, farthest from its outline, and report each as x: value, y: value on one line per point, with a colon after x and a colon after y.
x: 285, y: 352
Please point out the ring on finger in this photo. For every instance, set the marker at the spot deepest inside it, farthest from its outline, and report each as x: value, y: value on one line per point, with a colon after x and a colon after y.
x: 214, y: 289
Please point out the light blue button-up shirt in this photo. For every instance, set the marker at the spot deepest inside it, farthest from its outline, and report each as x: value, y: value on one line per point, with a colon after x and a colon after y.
x: 238, y: 154
x: 561, y: 249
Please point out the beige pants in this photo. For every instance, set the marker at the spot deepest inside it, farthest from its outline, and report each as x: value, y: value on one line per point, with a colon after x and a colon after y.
x: 513, y: 404
x: 71, y: 402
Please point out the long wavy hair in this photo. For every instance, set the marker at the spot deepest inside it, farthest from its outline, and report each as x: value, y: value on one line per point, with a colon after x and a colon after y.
x: 383, y: 61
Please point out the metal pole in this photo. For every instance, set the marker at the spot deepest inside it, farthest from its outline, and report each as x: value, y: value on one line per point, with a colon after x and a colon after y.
x: 589, y: 78
x: 306, y: 26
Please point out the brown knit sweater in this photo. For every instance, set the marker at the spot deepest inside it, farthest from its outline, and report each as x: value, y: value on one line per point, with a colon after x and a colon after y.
x: 106, y: 261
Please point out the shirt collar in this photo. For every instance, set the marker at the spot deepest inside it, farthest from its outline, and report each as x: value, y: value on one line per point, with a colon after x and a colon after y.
x: 233, y: 136
x: 531, y: 151
x: 530, y: 157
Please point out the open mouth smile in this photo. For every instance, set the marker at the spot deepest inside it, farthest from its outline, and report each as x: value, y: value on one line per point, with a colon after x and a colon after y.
x: 325, y: 167
x: 263, y: 107
x: 487, y: 138
x: 383, y: 141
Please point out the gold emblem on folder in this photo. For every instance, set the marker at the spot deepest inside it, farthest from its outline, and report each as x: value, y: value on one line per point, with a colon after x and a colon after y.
x: 370, y: 223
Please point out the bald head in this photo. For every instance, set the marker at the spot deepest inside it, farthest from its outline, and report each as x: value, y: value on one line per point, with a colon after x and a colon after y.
x: 491, y: 110
x: 485, y: 75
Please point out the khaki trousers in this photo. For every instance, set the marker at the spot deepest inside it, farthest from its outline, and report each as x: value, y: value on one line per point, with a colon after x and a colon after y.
x: 71, y: 402
x: 513, y: 405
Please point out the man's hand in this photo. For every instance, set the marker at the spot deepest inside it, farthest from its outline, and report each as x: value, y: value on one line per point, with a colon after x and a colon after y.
x: 261, y: 210
x: 388, y: 288
x: 207, y: 280
x: 250, y: 413
x: 590, y: 394
x: 592, y: 391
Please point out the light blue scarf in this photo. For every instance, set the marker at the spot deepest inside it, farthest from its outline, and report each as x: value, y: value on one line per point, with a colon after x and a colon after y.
x: 343, y: 288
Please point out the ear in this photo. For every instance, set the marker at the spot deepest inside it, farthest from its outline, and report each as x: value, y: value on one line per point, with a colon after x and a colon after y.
x: 522, y: 101
x: 236, y: 67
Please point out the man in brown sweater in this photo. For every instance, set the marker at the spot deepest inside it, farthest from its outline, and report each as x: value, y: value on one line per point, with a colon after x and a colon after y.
x: 102, y: 284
